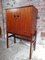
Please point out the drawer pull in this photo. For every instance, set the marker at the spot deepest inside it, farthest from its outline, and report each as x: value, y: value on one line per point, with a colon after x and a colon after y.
x: 17, y: 15
x: 14, y: 16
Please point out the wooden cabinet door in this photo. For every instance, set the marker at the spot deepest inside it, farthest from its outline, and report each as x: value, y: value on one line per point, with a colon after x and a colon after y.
x: 12, y: 20
x: 25, y: 21
x: 17, y: 20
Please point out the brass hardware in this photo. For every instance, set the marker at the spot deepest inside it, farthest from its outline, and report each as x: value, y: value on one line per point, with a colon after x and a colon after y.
x: 14, y: 16
x: 17, y: 15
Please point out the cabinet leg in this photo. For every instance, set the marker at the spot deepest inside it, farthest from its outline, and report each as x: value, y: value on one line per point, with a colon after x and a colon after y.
x: 7, y: 41
x: 14, y: 39
x: 30, y: 50
x: 35, y: 42
x: 34, y: 45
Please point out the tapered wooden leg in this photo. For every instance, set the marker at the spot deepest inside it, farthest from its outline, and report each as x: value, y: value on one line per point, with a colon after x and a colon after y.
x: 7, y: 41
x: 34, y: 44
x: 35, y: 41
x: 30, y: 50
x: 14, y: 39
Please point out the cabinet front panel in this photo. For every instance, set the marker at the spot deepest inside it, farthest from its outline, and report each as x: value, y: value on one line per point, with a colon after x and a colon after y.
x: 20, y: 21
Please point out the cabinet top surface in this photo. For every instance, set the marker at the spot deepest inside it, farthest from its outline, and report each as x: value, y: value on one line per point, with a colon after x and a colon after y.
x: 22, y: 7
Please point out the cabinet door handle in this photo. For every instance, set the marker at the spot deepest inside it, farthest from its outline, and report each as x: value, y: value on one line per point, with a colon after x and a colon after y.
x: 14, y: 16
x: 17, y: 15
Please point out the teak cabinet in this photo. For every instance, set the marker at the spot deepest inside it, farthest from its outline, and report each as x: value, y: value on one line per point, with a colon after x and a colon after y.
x: 21, y: 22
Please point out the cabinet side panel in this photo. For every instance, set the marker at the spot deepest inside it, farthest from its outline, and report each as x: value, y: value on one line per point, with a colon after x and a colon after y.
x: 34, y: 19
